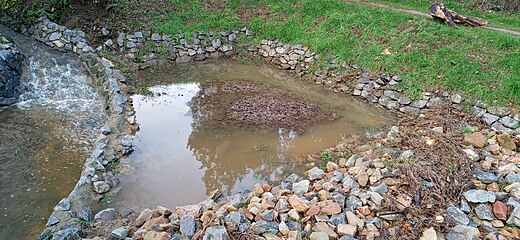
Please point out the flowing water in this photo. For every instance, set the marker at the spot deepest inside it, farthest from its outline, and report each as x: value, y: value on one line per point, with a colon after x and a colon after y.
x: 44, y: 139
x: 180, y: 158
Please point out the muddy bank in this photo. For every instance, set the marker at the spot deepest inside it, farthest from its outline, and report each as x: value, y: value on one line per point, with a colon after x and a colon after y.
x: 253, y: 105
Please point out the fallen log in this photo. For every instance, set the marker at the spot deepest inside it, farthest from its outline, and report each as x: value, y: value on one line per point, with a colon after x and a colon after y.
x: 439, y: 12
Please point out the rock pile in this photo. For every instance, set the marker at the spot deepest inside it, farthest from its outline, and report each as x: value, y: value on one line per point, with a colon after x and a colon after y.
x: 179, y: 48
x: 286, y: 56
x: 493, y: 203
x: 59, y: 36
x: 10, y: 70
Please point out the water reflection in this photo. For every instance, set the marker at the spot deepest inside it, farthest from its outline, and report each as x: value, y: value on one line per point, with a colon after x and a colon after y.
x: 183, y: 152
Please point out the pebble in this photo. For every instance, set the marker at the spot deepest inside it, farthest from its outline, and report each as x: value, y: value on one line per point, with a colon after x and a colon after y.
x: 457, y: 215
x: 484, y: 212
x: 479, y: 196
x: 315, y: 174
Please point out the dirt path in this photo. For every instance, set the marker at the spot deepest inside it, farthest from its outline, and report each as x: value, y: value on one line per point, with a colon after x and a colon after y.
x: 423, y: 14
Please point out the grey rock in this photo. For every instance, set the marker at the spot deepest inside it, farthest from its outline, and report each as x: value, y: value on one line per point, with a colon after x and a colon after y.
x: 54, y: 36
x: 392, y: 94
x: 315, y: 174
x: 63, y: 205
x: 485, y: 177
x: 53, y: 220
x: 460, y: 232
x: 514, y: 217
x: 156, y: 37
x: 319, y: 236
x: 509, y: 122
x: 393, y: 133
x: 187, y: 226
x: 419, y: 103
x: 337, y: 219
x: 106, y: 214
x: 456, y: 98
x: 489, y: 118
x: 349, y: 182
x: 499, y: 111
x: 105, y: 32
x: 477, y: 111
x: 381, y: 188
x: 464, y: 206
x: 101, y: 187
x: 513, y: 202
x: 479, y: 196
x: 119, y: 233
x: 263, y: 226
x: 347, y: 238
x: 457, y: 215
x: 301, y: 187
x: 484, y: 212
x: 512, y: 178
x: 216, y: 43
x: 216, y: 233
x: 267, y: 215
x: 404, y: 100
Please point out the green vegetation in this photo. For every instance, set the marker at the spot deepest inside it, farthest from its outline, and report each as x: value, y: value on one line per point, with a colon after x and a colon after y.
x: 86, y: 224
x: 114, y: 167
x: 467, y: 130
x: 501, y: 19
x: 326, y: 155
x: 481, y: 63
x: 105, y: 199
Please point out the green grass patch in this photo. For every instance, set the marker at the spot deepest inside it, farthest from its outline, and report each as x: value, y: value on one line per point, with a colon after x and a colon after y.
x: 500, y: 19
x: 483, y: 64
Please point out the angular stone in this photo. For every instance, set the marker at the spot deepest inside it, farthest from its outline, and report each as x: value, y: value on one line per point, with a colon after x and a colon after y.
x: 324, y: 227
x: 485, y: 177
x: 353, y: 219
x: 500, y: 210
x: 347, y: 230
x: 330, y: 209
x: 479, y: 196
x: 429, y: 234
x: 301, y: 187
x: 476, y: 139
x: 101, y: 187
x: 457, y: 215
x: 63, y: 205
x: 505, y: 141
x: 471, y: 154
x: 509, y: 122
x: 461, y: 232
x: 513, y: 178
x: 315, y: 174
x: 216, y: 233
x: 298, y: 204
x: 144, y: 216
x: 514, y: 218
x: 484, y: 212
x: 319, y: 236
x: 106, y: 214
x: 262, y: 227
x: 119, y: 233
x: 187, y: 226
x: 489, y: 118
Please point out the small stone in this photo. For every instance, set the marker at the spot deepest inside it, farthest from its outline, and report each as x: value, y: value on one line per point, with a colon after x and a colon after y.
x: 63, y: 205
x: 331, y: 209
x: 319, y: 236
x: 479, y: 196
x: 513, y: 178
x: 485, y: 177
x: 298, y: 204
x: 216, y: 233
x: 294, y: 215
x: 514, y: 218
x: 101, y: 187
x: 156, y: 37
x: 429, y: 234
x: 484, y: 212
x: 461, y: 232
x: 347, y: 230
x: 489, y: 118
x: 105, y: 32
x: 476, y: 139
x: 438, y: 129
x: 362, y: 179
x: 456, y: 98
x: 509, y: 122
x: 106, y: 214
x: 505, y: 141
x: 381, y: 188
x: 262, y: 227
x: 144, y: 216
x: 53, y: 220
x: 457, y: 215
x: 119, y: 233
x: 376, y: 198
x: 353, y: 219
x: 500, y: 210
x: 187, y: 226
x: 301, y: 187
x: 283, y: 228
x: 477, y: 111
x: 493, y: 187
x: 324, y: 227
x: 315, y: 174
x: 313, y: 211
x: 471, y: 154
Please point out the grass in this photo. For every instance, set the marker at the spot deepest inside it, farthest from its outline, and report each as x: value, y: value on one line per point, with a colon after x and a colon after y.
x: 326, y: 155
x: 499, y: 19
x: 483, y: 64
x: 467, y: 130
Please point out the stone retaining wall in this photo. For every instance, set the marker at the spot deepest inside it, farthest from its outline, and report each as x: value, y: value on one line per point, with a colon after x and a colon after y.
x: 70, y: 212
x: 10, y: 70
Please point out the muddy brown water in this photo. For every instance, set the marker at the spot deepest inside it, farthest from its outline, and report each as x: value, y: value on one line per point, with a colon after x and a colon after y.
x: 180, y: 159
x: 40, y: 162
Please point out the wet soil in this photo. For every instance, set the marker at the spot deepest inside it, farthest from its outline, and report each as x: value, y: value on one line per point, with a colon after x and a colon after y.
x: 253, y: 105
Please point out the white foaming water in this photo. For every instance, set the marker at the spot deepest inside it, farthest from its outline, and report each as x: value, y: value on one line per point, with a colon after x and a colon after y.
x: 57, y: 83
